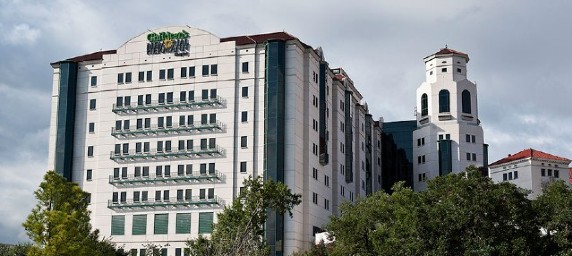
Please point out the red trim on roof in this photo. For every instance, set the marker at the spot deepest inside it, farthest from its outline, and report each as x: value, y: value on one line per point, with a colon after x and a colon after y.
x: 528, y: 153
x: 339, y: 77
x: 260, y: 38
x: 90, y: 57
x: 450, y: 51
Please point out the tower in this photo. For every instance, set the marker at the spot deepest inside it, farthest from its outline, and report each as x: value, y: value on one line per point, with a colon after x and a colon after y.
x: 449, y: 136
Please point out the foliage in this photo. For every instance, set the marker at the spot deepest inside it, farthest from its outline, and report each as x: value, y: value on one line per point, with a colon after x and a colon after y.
x: 554, y: 209
x: 240, y: 226
x: 320, y: 249
x: 14, y: 250
x: 459, y: 214
x: 59, y: 224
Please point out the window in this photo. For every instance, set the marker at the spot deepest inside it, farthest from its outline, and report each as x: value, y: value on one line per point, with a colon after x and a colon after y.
x: 327, y: 180
x: 118, y: 225
x: 245, y: 67
x: 245, y: 92
x: 92, y: 104
x: 473, y: 138
x: 466, y: 101
x: 315, y: 173
x: 458, y: 70
x: 244, y: 116
x: 542, y: 172
x: 214, y: 69
x: 90, y: 151
x: 444, y: 70
x: 205, y: 70
x: 504, y: 177
x: 424, y: 105
x: 147, y: 99
x: 243, y: 167
x: 549, y: 172
x: 120, y: 78
x: 192, y: 71
x: 162, y: 74
x: 128, y: 77
x: 444, y: 101
x: 556, y: 174
x: 149, y: 76
x: 91, y: 128
x: 213, y: 94
x: 139, y: 225
x: 243, y: 142
x: 205, y: 222
x: 326, y: 204
x: 161, y: 224
x: 141, y: 76
x: 183, y: 223
x: 314, y: 198
x: 474, y: 156
x: 170, y: 74
x: 93, y: 81
x: 183, y: 72
x: 88, y: 174
x: 468, y: 156
x: 468, y: 138
x: 515, y: 175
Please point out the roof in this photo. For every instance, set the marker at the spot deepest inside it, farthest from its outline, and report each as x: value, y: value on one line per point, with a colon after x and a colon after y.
x: 448, y: 51
x: 261, y: 38
x: 88, y: 57
x: 529, y: 153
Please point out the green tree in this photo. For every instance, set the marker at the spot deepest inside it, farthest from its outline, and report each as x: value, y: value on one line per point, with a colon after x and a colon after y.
x: 240, y: 226
x: 20, y: 249
x: 458, y: 214
x: 554, y: 210
x: 59, y: 224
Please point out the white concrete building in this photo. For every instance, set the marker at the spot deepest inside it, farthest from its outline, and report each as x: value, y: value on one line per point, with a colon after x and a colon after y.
x: 530, y: 169
x: 449, y: 136
x: 163, y: 130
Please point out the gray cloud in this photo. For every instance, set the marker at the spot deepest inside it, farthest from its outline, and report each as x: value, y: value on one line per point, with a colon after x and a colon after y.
x: 520, y: 58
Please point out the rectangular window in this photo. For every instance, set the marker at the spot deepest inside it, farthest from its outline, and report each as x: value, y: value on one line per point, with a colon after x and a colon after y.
x: 170, y: 98
x: 468, y: 156
x: 244, y: 116
x: 473, y: 138
x: 170, y: 74
x: 205, y: 94
x: 126, y: 124
x: 118, y: 225
x: 556, y: 174
x: 123, y: 197
x: 515, y: 175
x: 191, y: 96
x: 93, y: 81
x: 146, y: 147
x: 204, y: 119
x: 179, y: 195
x: 549, y: 172
x: 204, y: 143
x: 444, y: 70
x: 205, y: 70
x: 190, y: 120
x: 162, y: 74
x: 91, y: 127
x: 210, y: 193
x: 88, y: 174
x: 183, y: 72
x: 214, y: 69
x: 158, y: 196
x: 504, y: 177
x: 125, y: 148
x: 243, y: 142
x: 141, y: 76
x: 119, y: 101
x: 474, y: 156
x: 183, y: 96
x: 542, y: 172
x: 243, y: 167
x: 245, y: 67
x: 145, y: 171
x: 136, y: 196
x: 314, y: 198
x: 147, y: 123
x: 149, y: 76
x: 90, y: 151
x: 161, y: 98
x: 161, y: 224
x: 245, y: 92
x: 213, y: 94
x: 139, y: 225
x: 168, y: 146
x: 128, y: 77
x: 147, y: 99
x: 315, y: 173
x: 189, y: 170
x: 202, y: 194
x: 183, y: 223
x: 115, y: 173
x: 468, y: 138
x: 212, y: 143
x: 92, y: 104
x: 510, y: 175
x: 189, y: 144
x: 124, y: 172
x: 327, y: 180
x: 212, y: 118
x: 120, y: 78
x: 138, y: 148
x: 192, y: 71
x: 188, y: 194
x: 166, y: 195
x: 205, y: 222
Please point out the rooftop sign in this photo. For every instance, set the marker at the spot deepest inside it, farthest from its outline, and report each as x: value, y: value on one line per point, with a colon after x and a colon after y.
x: 167, y: 42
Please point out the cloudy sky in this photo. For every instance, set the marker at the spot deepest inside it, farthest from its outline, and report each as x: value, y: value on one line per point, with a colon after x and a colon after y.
x: 520, y: 50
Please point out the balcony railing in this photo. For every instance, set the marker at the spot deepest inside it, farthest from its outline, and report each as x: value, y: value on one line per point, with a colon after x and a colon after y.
x: 196, y: 152
x: 194, y: 201
x: 156, y: 106
x: 208, y: 176
x: 155, y: 130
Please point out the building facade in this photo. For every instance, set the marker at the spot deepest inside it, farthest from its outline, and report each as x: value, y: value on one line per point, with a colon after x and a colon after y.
x: 162, y: 131
x: 397, y: 153
x: 530, y: 169
x: 449, y: 136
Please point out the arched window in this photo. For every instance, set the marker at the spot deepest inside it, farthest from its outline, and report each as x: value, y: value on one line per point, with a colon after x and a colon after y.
x: 466, y: 98
x: 444, y: 105
x: 424, y: 110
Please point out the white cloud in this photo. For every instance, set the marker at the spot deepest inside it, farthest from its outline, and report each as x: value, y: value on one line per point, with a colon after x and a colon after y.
x: 21, y: 34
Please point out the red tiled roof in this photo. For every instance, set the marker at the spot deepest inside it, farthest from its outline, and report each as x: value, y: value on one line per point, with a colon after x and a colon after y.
x: 260, y: 38
x: 528, y: 153
x: 339, y: 77
x: 91, y: 56
x: 447, y: 51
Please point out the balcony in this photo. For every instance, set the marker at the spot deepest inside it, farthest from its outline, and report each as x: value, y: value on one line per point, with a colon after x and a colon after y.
x: 196, y: 128
x: 156, y: 106
x: 131, y: 180
x: 196, y: 152
x: 172, y: 202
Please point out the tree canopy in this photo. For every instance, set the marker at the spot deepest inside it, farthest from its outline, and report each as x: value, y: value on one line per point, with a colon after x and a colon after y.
x: 59, y: 224
x: 458, y: 214
x: 240, y: 226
